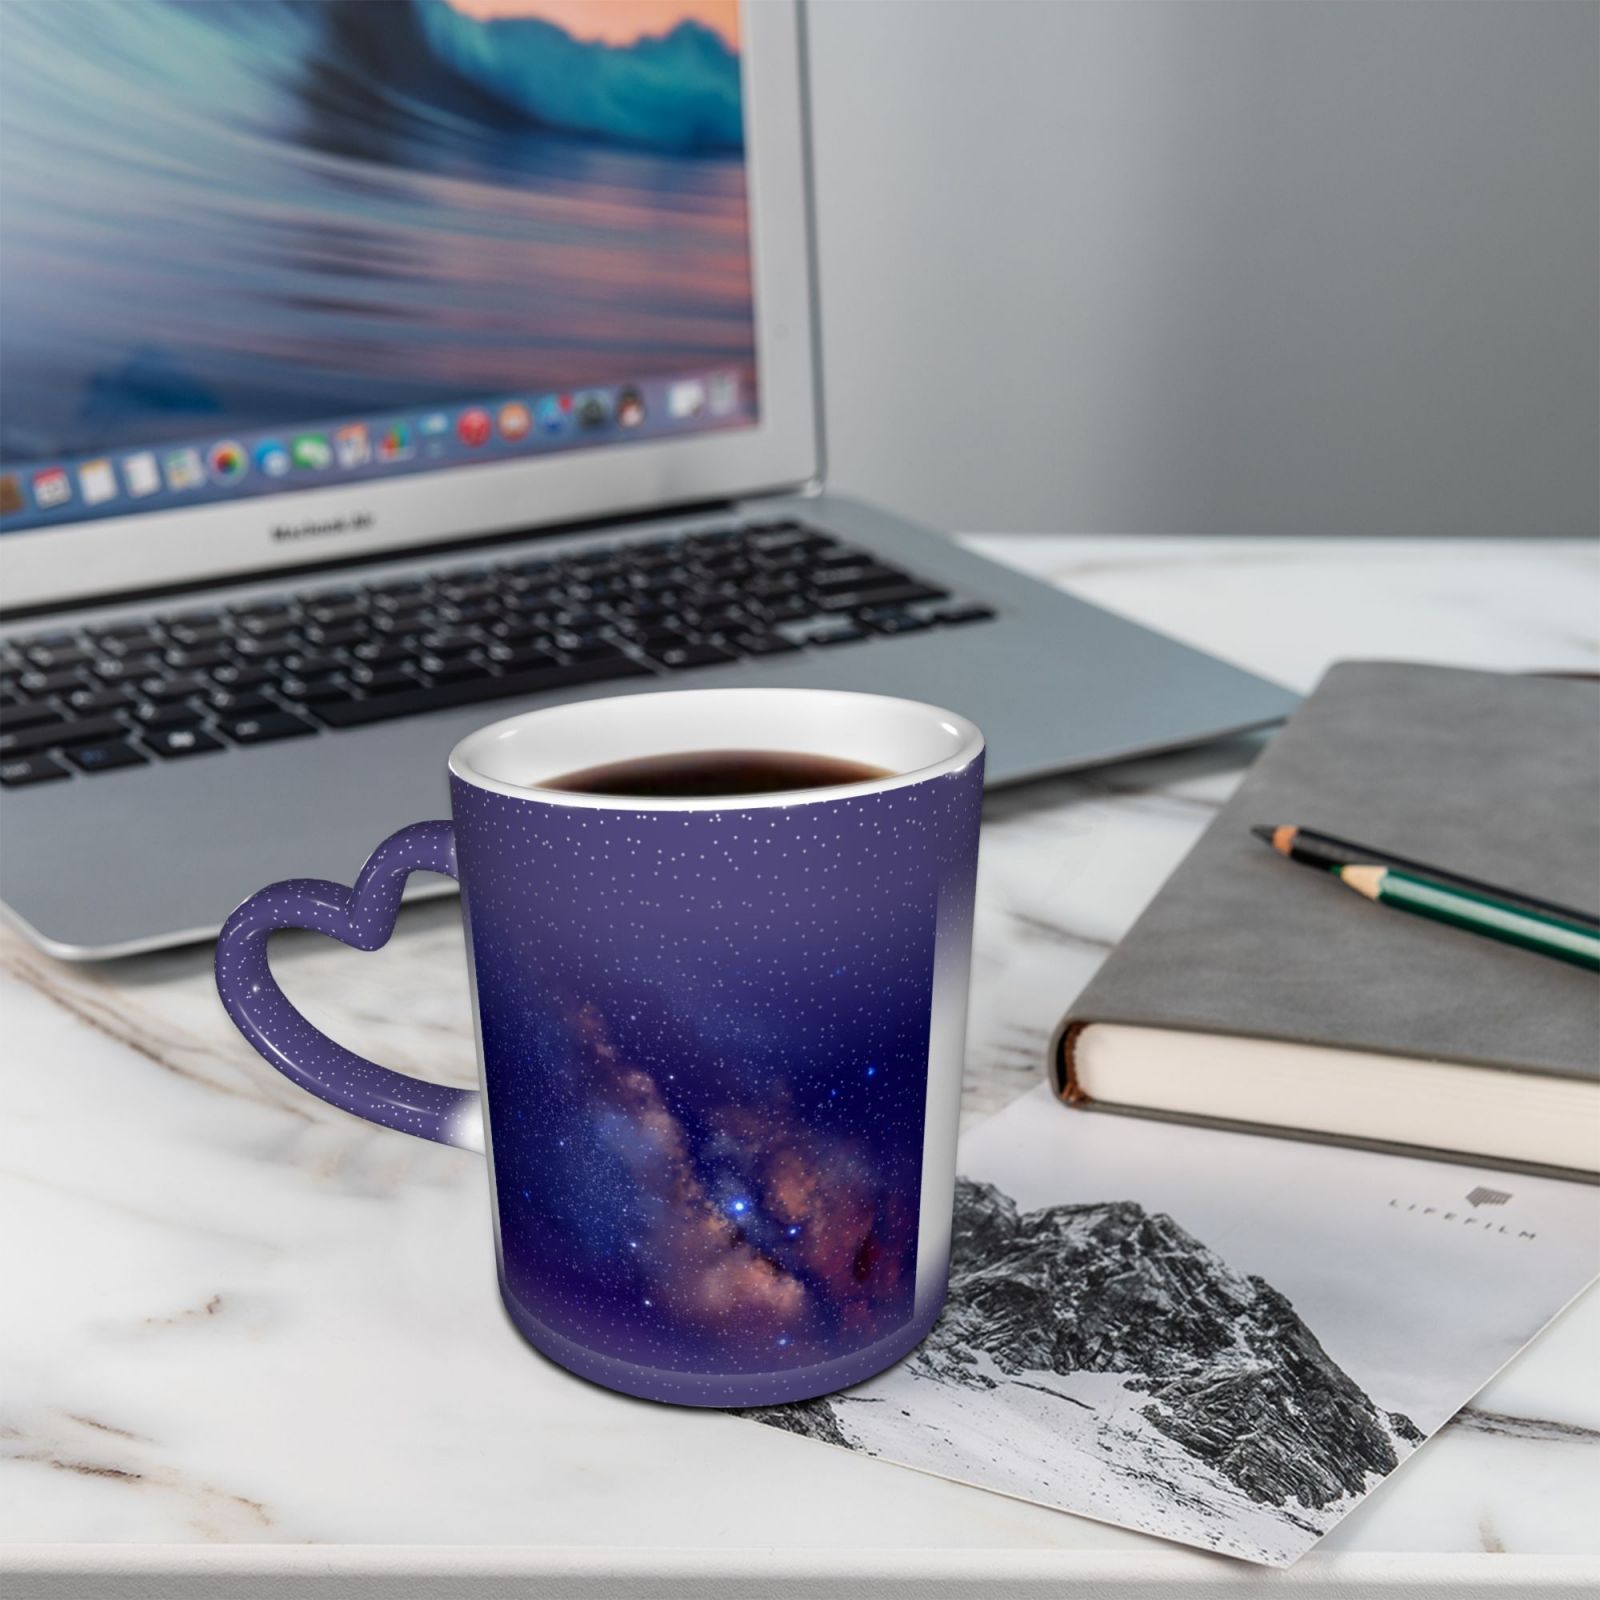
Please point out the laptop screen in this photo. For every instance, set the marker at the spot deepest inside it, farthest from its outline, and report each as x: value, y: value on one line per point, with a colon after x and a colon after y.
x: 251, y: 246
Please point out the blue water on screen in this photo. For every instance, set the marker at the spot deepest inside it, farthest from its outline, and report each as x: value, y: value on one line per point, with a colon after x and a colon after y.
x: 249, y: 215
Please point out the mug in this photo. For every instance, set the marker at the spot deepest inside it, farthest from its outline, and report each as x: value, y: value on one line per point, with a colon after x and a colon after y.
x: 719, y: 1039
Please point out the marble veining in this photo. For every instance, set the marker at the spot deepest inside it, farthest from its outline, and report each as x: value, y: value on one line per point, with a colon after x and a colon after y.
x: 237, y: 1315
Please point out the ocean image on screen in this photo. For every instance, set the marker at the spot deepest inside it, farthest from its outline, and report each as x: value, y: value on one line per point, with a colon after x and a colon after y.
x: 239, y: 215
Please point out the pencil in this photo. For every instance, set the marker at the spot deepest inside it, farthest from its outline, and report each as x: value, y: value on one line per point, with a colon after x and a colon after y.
x: 1329, y: 851
x: 1475, y: 913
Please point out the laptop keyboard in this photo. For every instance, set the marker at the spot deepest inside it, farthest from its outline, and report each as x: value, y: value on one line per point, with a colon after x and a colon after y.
x: 194, y: 682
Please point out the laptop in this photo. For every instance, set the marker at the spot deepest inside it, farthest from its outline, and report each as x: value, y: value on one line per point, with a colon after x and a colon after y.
x: 376, y: 369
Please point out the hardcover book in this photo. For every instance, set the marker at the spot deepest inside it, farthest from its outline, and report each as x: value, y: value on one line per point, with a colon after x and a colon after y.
x: 1263, y: 995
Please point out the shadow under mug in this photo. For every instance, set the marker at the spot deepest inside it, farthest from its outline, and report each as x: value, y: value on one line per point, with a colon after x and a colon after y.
x: 720, y: 1039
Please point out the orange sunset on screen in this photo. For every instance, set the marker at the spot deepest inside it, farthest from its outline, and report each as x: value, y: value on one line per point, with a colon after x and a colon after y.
x: 615, y: 21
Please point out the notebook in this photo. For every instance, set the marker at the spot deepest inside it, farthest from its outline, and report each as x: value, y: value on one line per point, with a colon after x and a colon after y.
x: 1263, y: 995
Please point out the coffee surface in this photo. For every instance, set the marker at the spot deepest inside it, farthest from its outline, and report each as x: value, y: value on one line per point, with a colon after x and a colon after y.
x: 712, y: 774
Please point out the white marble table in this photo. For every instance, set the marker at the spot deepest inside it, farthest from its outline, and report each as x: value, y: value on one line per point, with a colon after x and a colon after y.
x: 252, y: 1346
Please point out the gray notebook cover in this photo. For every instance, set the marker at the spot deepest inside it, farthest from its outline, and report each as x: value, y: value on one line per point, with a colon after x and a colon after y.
x: 1491, y: 775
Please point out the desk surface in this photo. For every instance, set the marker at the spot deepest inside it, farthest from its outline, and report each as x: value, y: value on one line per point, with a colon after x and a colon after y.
x: 240, y: 1324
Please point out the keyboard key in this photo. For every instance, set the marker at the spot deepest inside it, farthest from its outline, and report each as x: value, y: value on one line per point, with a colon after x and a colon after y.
x: 381, y: 680
x: 730, y: 564
x: 467, y: 589
x: 87, y: 730
x: 838, y: 633
x: 682, y: 656
x: 180, y: 686
x: 711, y: 615
x: 668, y: 635
x: 446, y: 645
x: 857, y: 575
x: 30, y: 713
x: 94, y: 702
x: 260, y: 610
x: 762, y: 644
x: 654, y: 558
x: 586, y: 563
x: 126, y: 635
x: 395, y: 589
x: 202, y: 660
x: 314, y: 691
x: 329, y: 612
x: 240, y: 702
x: 44, y: 683
x: 237, y: 676
x: 129, y: 641
x: 264, y: 626
x: 789, y: 608
x: 406, y: 618
x: 468, y: 610
x: 106, y: 757
x: 172, y: 744
x: 819, y: 630
x: 575, y: 621
x: 23, y: 770
x: 383, y: 654
x: 17, y: 735
x: 786, y: 540
x: 520, y: 657
x: 55, y: 657
x: 154, y: 714
x: 896, y: 594
x: 455, y: 669
x: 894, y: 621
x: 443, y: 696
x: 334, y: 635
x: 195, y: 634
x: 960, y: 611
x: 267, y: 646
x: 711, y: 537
x: 270, y: 726
x: 777, y: 587
x: 592, y: 650
x: 129, y: 668
x: 539, y: 568
x: 644, y: 611
x: 306, y: 664
x: 574, y: 641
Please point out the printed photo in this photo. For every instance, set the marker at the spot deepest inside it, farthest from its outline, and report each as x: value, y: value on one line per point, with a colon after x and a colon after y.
x: 1225, y: 1340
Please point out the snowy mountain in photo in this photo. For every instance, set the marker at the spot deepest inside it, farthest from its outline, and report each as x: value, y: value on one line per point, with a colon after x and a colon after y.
x: 1101, y: 1359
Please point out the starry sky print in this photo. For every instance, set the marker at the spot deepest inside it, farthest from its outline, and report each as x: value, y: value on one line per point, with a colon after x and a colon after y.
x: 706, y: 1038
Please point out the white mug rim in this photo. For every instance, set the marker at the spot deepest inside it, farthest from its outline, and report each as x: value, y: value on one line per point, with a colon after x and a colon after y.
x: 963, y: 736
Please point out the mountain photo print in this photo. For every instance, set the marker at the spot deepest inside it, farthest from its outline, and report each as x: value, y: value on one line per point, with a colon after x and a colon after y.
x: 1120, y: 1358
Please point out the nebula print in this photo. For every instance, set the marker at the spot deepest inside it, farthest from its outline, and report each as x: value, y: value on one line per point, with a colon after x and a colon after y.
x: 706, y: 1039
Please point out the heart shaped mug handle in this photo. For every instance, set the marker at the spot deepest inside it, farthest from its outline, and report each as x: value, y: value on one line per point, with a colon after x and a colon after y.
x: 362, y: 917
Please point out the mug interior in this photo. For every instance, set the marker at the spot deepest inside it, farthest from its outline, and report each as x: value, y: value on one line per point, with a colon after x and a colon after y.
x: 910, y: 741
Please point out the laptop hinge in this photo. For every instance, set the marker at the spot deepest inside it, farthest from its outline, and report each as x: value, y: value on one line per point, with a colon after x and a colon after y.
x: 370, y: 558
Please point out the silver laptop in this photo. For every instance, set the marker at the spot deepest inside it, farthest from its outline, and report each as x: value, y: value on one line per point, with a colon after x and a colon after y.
x: 378, y: 369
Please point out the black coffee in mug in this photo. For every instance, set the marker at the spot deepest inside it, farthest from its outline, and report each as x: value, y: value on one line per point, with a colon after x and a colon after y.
x: 715, y: 773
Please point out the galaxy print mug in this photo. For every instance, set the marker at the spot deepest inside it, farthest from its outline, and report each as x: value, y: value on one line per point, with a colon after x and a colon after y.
x: 720, y: 1039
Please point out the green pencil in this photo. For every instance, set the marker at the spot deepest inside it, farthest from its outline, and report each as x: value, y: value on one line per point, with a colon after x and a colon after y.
x: 1476, y: 913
